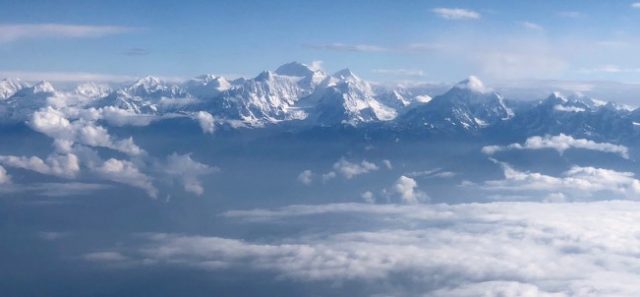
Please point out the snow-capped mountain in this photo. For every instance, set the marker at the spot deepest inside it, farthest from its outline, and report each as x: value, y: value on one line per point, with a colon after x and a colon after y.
x: 304, y: 96
x: 344, y: 98
x: 468, y: 106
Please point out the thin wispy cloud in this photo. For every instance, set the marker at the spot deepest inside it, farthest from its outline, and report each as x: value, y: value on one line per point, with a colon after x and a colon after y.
x: 532, y: 26
x: 59, y: 76
x: 136, y: 51
x: 15, y: 32
x: 456, y: 13
x: 609, y: 69
x: 371, y: 48
x: 400, y: 72
x: 570, y: 14
x: 348, y: 47
x: 635, y: 5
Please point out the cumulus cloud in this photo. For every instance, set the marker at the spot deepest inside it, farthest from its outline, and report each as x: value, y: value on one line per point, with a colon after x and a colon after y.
x: 493, y: 249
x: 126, y: 172
x: 206, y: 121
x: 188, y: 171
x: 560, y: 143
x: 53, y: 123
x: 368, y: 197
x: 306, y: 177
x: 406, y: 188
x: 5, y: 178
x: 350, y: 170
x: 456, y: 13
x: 580, y: 181
x: 61, y: 165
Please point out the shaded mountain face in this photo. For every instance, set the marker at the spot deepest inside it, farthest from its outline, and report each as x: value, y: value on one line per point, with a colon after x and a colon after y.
x: 299, y: 95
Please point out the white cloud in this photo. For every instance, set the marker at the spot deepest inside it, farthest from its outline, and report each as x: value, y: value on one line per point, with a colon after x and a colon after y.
x: 15, y: 32
x: 306, y: 177
x: 456, y: 13
x: 350, y: 170
x: 54, y: 124
x: 5, y: 178
x: 62, y: 165
x: 568, y: 108
x: 188, y: 171
x: 387, y: 164
x: 492, y: 249
x: 560, y: 143
x: 368, y: 197
x: 635, y: 5
x: 579, y: 182
x: 125, y: 172
x: 328, y: 176
x: 532, y: 26
x: 406, y: 188
x: 105, y: 257
x: 316, y: 65
x: 206, y: 121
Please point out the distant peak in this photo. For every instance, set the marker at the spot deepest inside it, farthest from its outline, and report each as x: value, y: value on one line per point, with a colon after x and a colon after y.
x: 264, y: 75
x: 472, y: 83
x: 344, y: 74
x: 295, y: 69
x: 43, y: 87
x: 557, y: 96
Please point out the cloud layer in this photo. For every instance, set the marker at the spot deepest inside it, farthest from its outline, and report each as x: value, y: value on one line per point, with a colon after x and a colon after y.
x: 504, y: 249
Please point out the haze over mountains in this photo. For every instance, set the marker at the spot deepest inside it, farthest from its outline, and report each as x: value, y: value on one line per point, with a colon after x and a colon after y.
x: 297, y: 95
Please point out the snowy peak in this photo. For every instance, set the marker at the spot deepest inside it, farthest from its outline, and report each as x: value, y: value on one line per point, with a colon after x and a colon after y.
x: 295, y: 69
x: 153, y: 87
x: 8, y: 87
x: 473, y: 84
x: 345, y: 74
x: 207, y: 86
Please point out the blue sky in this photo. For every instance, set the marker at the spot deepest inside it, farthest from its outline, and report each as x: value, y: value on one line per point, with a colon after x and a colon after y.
x: 380, y: 40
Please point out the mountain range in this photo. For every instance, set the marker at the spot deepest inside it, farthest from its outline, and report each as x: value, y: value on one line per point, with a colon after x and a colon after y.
x: 302, y: 96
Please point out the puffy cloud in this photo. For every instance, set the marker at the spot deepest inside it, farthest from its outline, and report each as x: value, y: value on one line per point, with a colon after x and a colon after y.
x: 121, y: 117
x: 125, y: 172
x: 582, y: 181
x: 206, y: 121
x: 387, y: 164
x: 328, y: 176
x: 350, y: 170
x: 54, y: 124
x: 560, y: 143
x: 406, y: 188
x: 305, y: 177
x: 62, y: 165
x: 456, y: 13
x: 368, y: 197
x: 491, y: 249
x: 188, y: 171
x: 5, y: 178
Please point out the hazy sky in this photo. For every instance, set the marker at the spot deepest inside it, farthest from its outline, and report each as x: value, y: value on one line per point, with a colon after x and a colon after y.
x: 380, y: 40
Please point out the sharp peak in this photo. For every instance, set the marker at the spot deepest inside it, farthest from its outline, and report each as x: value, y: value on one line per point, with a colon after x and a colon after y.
x: 345, y: 73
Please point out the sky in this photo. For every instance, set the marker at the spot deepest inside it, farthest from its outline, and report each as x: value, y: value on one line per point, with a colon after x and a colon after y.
x: 431, y: 41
